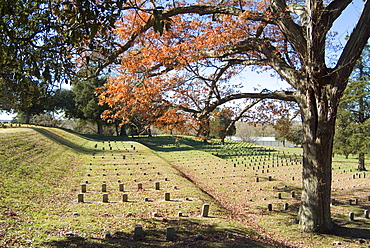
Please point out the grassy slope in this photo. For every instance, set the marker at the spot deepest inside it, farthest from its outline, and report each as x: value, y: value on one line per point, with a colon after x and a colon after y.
x: 40, y: 175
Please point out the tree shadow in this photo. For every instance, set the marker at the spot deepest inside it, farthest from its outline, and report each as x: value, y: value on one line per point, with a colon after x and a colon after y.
x: 62, y: 141
x: 352, y: 232
x: 188, y: 233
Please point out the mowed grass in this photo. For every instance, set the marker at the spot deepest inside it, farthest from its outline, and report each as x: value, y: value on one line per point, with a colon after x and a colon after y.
x: 41, y: 173
x: 229, y: 173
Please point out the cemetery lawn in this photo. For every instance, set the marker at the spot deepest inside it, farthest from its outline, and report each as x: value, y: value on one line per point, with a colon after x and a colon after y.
x: 41, y: 173
x: 229, y: 174
x: 42, y: 170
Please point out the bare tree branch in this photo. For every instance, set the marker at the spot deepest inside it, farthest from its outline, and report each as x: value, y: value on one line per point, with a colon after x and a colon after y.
x: 356, y: 42
x: 333, y: 11
x: 293, y: 32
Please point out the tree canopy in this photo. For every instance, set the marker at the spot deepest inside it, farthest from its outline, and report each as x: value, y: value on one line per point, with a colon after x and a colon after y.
x: 41, y: 41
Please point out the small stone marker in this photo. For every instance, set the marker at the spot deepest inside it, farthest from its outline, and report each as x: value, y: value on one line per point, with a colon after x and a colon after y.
x: 286, y: 206
x: 104, y: 187
x: 138, y: 232
x: 124, y: 197
x: 105, y: 197
x: 121, y: 187
x: 269, y: 207
x: 366, y: 214
x: 180, y: 214
x: 205, y: 210
x: 80, y: 197
x: 139, y: 186
x: 293, y: 194
x: 170, y: 233
x: 167, y: 196
x: 157, y: 186
x: 83, y: 188
x: 279, y: 195
x: 351, y: 216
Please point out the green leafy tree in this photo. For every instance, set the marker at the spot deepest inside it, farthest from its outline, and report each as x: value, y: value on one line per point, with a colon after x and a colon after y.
x: 86, y: 106
x: 41, y: 40
x: 353, y: 124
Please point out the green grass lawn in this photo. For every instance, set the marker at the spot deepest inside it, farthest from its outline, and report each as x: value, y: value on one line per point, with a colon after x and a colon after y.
x: 229, y: 173
x: 42, y: 170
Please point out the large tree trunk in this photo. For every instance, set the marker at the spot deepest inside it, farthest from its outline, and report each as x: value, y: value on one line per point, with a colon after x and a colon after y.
x: 361, y: 162
x: 100, y: 127
x: 123, y: 132
x: 318, y: 109
x: 27, y: 117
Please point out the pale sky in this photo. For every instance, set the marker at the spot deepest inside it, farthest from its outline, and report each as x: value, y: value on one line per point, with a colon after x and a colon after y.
x: 343, y: 25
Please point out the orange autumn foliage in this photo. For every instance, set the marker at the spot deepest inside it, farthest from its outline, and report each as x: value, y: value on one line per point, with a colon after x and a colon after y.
x: 162, y: 75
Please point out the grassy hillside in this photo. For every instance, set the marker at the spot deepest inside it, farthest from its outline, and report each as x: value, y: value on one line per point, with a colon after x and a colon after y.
x: 41, y: 173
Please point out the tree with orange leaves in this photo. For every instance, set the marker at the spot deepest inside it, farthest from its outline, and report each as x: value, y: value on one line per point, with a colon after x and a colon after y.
x: 288, y: 37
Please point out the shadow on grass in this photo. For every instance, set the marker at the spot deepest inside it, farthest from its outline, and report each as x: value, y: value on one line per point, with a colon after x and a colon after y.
x: 60, y: 140
x: 352, y: 232
x: 167, y: 143
x: 95, y: 137
x: 188, y: 233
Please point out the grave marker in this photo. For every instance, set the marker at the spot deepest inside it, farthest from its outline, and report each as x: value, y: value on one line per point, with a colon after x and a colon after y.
x: 138, y: 232
x: 105, y: 197
x: 170, y: 233
x: 351, y: 216
x: 167, y: 196
x: 269, y: 207
x: 83, y: 188
x: 80, y: 197
x: 286, y: 206
x: 205, y: 210
x: 366, y: 214
x: 124, y: 197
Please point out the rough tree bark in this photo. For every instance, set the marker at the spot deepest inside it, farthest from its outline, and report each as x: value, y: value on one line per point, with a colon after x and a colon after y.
x: 318, y: 110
